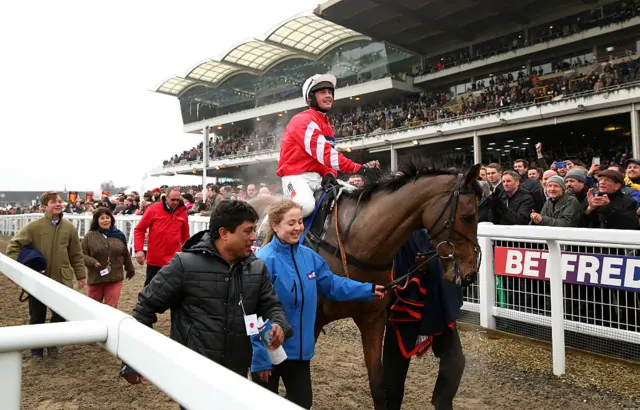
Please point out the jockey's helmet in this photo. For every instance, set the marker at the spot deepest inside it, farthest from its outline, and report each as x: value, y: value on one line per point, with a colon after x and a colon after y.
x: 315, y: 83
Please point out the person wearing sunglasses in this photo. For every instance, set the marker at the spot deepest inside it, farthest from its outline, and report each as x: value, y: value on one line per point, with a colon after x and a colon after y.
x: 168, y: 226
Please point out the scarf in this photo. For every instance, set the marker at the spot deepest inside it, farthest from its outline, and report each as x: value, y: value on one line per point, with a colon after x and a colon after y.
x: 113, y: 232
x: 628, y: 182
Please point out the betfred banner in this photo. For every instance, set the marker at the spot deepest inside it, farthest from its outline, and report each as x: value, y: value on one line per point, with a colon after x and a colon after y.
x: 89, y: 197
x: 607, y: 271
x: 105, y: 194
x: 73, y: 196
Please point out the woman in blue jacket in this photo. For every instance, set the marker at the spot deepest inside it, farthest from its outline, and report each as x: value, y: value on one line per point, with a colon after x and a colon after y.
x: 299, y: 275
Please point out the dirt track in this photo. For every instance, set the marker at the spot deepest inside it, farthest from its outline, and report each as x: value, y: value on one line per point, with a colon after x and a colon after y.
x: 501, y: 373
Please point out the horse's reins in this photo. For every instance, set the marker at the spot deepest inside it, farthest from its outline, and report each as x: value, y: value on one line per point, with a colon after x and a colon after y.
x: 449, y: 224
x: 407, y: 275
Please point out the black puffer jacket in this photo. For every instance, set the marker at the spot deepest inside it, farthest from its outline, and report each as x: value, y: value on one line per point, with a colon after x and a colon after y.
x: 203, y: 293
x: 511, y: 210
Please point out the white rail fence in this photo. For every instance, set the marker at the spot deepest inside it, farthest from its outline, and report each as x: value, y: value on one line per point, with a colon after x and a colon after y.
x: 190, y: 379
x: 520, y: 288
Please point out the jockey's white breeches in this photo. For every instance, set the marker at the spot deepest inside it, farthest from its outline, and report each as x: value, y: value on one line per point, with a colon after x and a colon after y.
x: 300, y: 188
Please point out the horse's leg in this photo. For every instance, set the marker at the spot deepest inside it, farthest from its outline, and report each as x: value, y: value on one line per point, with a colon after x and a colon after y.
x: 321, y: 320
x: 372, y: 325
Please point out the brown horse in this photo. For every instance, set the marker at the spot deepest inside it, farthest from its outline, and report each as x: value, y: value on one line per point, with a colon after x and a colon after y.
x: 388, y: 212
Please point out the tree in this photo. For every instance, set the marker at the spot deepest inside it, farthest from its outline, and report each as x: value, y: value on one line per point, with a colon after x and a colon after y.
x: 111, y: 187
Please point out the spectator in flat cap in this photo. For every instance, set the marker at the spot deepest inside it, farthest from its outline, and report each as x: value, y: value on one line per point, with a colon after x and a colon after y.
x: 609, y: 208
x: 560, y: 209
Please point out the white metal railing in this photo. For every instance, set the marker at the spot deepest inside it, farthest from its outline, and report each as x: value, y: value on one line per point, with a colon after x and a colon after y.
x: 557, y: 268
x: 190, y: 379
x: 11, y: 224
x: 543, y: 304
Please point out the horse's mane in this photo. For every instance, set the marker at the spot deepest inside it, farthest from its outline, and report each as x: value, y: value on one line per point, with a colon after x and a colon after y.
x: 412, y: 172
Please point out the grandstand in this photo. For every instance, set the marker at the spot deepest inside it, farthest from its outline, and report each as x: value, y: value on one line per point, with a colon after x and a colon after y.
x: 454, y: 82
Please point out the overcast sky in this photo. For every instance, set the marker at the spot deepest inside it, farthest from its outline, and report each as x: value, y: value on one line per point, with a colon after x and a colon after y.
x: 75, y: 105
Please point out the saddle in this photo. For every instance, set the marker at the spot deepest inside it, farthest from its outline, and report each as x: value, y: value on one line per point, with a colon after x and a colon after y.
x: 326, y: 200
x: 314, y: 224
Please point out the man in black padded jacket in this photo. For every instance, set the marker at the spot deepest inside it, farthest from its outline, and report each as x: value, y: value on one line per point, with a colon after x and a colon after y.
x: 202, y: 287
x: 514, y: 205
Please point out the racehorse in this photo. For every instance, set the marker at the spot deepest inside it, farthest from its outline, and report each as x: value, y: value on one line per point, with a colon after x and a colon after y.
x: 372, y: 225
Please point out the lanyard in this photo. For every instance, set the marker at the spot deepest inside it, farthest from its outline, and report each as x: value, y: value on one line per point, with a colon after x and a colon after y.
x: 241, y: 304
x: 109, y: 248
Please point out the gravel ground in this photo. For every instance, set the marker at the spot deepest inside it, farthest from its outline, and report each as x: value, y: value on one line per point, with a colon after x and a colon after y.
x: 503, y: 372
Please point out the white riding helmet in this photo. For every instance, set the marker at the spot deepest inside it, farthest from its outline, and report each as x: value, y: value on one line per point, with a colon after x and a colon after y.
x: 317, y: 82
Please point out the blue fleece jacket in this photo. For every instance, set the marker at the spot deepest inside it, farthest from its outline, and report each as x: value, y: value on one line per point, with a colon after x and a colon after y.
x: 299, y: 275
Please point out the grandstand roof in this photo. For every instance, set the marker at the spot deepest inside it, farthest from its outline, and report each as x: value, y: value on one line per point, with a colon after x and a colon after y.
x: 303, y: 36
x: 425, y: 27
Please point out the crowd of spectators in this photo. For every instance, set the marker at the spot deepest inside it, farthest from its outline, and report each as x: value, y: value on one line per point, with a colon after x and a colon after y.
x: 132, y: 203
x: 226, y: 146
x: 573, y: 194
x: 606, y: 194
x: 17, y: 210
x: 504, y: 91
x: 600, y: 17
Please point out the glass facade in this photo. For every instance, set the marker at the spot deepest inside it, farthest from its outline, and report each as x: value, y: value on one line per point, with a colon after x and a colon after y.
x: 352, y: 63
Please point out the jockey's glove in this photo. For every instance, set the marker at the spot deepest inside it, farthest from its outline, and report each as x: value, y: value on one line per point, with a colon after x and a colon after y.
x: 372, y: 174
x: 329, y: 180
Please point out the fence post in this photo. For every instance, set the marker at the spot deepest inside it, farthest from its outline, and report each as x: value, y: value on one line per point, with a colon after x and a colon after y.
x: 554, y: 266
x: 487, y: 283
x: 11, y: 380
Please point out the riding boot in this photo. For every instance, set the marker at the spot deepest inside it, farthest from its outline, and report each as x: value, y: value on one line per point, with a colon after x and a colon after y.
x: 448, y: 349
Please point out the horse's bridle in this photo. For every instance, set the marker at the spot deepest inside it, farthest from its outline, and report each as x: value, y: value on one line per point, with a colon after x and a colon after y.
x: 449, y: 227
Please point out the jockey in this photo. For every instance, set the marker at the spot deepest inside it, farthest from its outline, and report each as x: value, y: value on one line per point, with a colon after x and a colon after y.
x: 307, y: 152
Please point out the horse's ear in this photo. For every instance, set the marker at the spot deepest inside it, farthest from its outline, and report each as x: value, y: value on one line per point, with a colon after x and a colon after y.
x: 472, y: 175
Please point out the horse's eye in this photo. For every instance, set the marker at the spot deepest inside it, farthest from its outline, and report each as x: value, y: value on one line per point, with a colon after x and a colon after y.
x: 469, y: 219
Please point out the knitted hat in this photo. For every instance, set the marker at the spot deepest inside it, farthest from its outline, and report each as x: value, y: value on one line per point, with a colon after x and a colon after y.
x: 577, y: 174
x: 558, y: 180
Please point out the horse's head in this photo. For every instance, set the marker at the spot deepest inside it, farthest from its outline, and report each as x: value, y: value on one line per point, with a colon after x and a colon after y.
x: 453, y: 227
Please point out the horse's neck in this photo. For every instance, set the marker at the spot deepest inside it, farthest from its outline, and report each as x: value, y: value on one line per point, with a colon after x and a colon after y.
x: 388, y: 220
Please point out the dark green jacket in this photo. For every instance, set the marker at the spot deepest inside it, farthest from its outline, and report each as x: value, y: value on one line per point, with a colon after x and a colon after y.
x: 563, y: 212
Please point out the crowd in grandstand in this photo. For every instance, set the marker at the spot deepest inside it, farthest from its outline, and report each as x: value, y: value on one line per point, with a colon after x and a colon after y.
x: 568, y: 26
x: 500, y: 92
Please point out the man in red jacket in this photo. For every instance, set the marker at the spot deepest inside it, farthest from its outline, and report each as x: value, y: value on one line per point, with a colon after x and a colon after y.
x: 168, y: 225
x: 307, y: 153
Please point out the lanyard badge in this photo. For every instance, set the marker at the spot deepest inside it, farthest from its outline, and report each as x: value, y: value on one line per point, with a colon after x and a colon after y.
x: 250, y: 321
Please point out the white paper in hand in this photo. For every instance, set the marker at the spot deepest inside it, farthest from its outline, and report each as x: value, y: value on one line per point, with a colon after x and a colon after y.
x: 251, y: 324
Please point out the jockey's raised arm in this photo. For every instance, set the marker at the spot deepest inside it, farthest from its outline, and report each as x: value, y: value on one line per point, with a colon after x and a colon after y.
x: 307, y: 150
